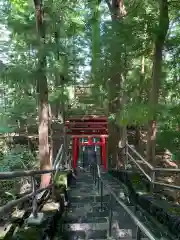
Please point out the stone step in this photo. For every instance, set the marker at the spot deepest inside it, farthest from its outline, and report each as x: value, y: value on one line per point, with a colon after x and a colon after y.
x: 114, y: 185
x: 85, y: 219
x: 89, y: 198
x: 90, y: 226
x: 98, y: 214
x: 82, y: 184
x: 91, y: 204
x: 96, y: 202
x: 123, y: 220
x: 99, y: 230
x: 89, y: 210
x: 112, y: 182
x: 81, y: 194
x: 94, y: 235
x: 86, y: 178
x: 82, y: 235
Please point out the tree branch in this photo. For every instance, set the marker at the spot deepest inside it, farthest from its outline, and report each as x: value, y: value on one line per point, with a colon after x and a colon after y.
x: 109, y: 5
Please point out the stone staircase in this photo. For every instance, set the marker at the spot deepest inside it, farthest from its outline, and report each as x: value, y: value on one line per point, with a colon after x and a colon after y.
x: 85, y: 218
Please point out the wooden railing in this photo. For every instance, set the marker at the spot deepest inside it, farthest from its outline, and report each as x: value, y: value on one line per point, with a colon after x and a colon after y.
x: 152, y: 171
x: 60, y: 162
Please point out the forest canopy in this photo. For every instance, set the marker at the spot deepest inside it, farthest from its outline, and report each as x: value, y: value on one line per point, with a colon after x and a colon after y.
x: 126, y: 51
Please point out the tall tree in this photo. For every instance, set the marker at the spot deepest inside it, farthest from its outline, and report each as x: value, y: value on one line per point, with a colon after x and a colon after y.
x: 159, y: 42
x: 95, y: 39
x: 117, y: 11
x: 42, y: 91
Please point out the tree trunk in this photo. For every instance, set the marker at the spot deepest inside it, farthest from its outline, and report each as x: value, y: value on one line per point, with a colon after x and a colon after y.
x: 57, y: 75
x: 140, y: 100
x: 117, y: 10
x: 156, y: 78
x: 113, y: 143
x: 42, y: 91
x: 59, y: 82
x: 44, y: 151
x: 94, y: 6
x: 51, y: 146
x: 137, y: 137
x: 113, y: 128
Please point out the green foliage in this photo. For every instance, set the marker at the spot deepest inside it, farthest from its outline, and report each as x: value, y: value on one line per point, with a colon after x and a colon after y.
x: 61, y: 180
x: 20, y: 72
x: 133, y: 114
x: 81, y: 35
x: 16, y: 159
x: 169, y: 139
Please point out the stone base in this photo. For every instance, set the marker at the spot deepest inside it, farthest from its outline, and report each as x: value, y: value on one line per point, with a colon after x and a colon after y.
x: 4, y: 230
x: 51, y: 207
x: 35, y: 221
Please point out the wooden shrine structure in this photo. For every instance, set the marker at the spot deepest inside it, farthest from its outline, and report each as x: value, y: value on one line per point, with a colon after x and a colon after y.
x: 88, y: 127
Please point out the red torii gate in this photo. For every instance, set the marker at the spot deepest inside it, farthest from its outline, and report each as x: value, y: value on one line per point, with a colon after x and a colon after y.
x: 88, y: 127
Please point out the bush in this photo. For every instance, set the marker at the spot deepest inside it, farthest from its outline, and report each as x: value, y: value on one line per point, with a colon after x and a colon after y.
x: 18, y: 158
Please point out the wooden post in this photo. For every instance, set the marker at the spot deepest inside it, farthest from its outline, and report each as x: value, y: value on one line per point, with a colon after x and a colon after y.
x: 103, y: 152
x: 75, y: 151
